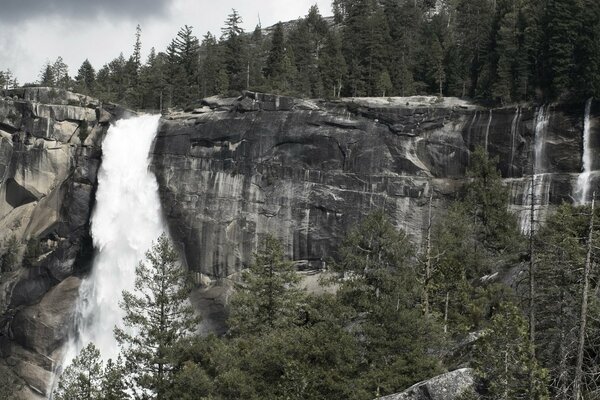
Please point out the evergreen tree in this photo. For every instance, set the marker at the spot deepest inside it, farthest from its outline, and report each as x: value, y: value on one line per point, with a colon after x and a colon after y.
x: 379, y: 284
x: 82, y: 379
x: 234, y: 57
x: 487, y: 199
x: 268, y: 297
x: 159, y: 314
x: 61, y: 73
x: 332, y: 64
x: 278, y: 68
x: 211, y: 65
x: 86, y: 78
x: 504, y: 359
x: 561, y: 247
x: 10, y: 254
x: 47, y: 75
x: 562, y: 35
x: 183, y: 54
x: 113, y: 385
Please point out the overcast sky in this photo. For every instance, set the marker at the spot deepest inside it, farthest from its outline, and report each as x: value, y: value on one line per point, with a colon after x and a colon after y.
x: 33, y: 31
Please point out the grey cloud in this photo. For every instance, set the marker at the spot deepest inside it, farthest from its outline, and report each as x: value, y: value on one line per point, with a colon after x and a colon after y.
x: 18, y: 11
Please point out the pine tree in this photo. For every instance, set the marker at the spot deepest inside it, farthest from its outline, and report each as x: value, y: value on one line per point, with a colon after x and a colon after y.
x: 82, y: 379
x: 234, y: 57
x: 137, y: 48
x: 504, y: 359
x: 86, y: 78
x: 487, y: 199
x: 561, y: 30
x: 47, y: 77
x: 61, y: 73
x: 211, y: 65
x: 332, y: 64
x: 183, y: 55
x: 158, y: 314
x: 268, y: 297
x: 113, y: 385
x: 278, y: 66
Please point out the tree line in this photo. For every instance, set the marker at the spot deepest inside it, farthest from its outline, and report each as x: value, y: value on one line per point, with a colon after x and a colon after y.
x: 497, y: 51
x: 396, y: 313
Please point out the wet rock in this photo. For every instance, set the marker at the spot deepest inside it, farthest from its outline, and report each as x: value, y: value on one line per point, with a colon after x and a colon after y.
x: 43, y: 327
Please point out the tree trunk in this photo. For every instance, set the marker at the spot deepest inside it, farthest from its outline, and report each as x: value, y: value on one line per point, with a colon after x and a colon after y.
x: 446, y: 312
x: 584, y: 307
x: 532, y: 280
x: 427, y: 279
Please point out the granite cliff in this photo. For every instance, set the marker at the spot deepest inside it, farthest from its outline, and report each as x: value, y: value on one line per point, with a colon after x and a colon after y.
x: 50, y: 151
x: 231, y: 170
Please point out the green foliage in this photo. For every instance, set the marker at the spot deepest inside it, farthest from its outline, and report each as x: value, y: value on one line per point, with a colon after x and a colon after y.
x: 160, y: 314
x: 269, y: 297
x: 33, y: 251
x: 85, y: 81
x: 10, y: 254
x: 82, y: 379
x: 370, y: 254
x: 487, y: 200
x: 561, y: 250
x: 504, y: 359
x: 113, y: 385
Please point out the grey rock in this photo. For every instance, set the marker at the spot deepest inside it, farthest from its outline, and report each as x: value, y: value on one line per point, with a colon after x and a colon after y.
x: 443, y: 387
x: 43, y: 327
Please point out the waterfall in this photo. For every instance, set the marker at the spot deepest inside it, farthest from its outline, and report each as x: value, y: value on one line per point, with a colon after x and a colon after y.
x: 583, y: 181
x: 125, y: 221
x: 487, y: 132
x: 513, y: 134
x: 537, y: 190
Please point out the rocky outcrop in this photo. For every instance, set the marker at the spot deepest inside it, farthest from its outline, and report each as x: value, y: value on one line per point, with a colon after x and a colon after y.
x: 232, y: 170
x: 49, y: 156
x: 448, y: 386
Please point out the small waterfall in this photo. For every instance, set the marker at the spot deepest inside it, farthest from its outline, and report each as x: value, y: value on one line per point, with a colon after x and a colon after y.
x: 536, y: 194
x: 583, y: 181
x: 513, y: 134
x: 487, y: 132
x: 126, y: 220
x: 537, y: 190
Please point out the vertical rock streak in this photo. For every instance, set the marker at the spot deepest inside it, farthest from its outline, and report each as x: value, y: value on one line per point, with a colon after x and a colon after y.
x: 125, y: 222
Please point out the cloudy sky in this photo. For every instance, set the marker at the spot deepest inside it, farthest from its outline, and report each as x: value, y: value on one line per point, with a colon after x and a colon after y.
x: 33, y: 31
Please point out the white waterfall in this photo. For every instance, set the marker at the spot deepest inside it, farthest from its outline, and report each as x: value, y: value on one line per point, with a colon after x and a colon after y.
x: 583, y: 181
x: 125, y: 221
x: 513, y: 135
x: 537, y: 190
x: 487, y: 132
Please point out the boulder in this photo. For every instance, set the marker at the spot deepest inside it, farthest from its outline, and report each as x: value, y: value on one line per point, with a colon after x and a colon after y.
x: 443, y: 387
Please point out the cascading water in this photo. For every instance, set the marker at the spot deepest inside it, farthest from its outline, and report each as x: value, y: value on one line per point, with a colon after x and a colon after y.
x: 537, y: 190
x: 125, y: 222
x: 513, y: 135
x: 487, y: 132
x: 583, y: 181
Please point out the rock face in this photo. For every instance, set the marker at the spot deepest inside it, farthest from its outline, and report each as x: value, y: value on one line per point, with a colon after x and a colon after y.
x: 49, y: 155
x: 232, y: 170
x: 443, y: 387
